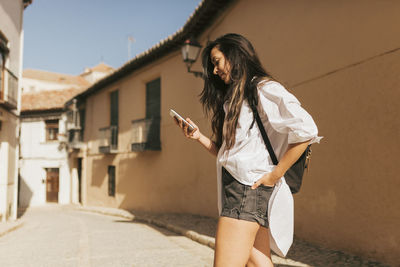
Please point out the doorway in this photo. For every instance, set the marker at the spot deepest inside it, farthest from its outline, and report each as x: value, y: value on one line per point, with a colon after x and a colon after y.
x: 80, y: 179
x: 52, y: 184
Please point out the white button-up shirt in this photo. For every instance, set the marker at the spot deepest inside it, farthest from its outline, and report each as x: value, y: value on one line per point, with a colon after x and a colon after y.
x: 285, y: 122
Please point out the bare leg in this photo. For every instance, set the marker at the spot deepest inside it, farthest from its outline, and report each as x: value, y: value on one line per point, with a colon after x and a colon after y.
x: 260, y: 255
x: 234, y: 242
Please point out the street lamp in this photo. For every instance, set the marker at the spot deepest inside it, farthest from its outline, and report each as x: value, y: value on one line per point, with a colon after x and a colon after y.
x: 190, y: 51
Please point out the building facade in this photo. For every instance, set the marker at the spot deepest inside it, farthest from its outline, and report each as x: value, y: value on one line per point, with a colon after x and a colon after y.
x: 45, y: 175
x: 11, y: 46
x: 44, y: 171
x: 339, y: 58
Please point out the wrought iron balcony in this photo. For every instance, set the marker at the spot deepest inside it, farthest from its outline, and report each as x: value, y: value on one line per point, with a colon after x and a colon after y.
x: 73, y: 120
x: 146, y: 134
x: 108, y: 139
x: 75, y: 139
x: 9, y: 93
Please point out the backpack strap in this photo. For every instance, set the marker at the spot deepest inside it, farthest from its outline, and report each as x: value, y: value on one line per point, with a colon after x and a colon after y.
x: 264, y: 135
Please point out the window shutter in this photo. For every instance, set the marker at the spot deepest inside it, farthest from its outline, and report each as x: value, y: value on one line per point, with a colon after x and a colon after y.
x: 114, y: 108
x: 153, y: 99
x: 153, y: 113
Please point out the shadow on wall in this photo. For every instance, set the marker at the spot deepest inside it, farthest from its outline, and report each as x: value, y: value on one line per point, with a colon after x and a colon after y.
x: 154, y: 181
x: 99, y: 170
x: 140, y: 180
x: 24, y: 196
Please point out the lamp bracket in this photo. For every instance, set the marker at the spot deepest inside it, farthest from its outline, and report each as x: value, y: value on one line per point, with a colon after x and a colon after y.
x: 196, y: 73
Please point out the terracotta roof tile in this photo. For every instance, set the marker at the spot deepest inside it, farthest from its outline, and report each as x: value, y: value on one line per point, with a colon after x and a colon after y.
x: 54, y: 77
x: 45, y: 100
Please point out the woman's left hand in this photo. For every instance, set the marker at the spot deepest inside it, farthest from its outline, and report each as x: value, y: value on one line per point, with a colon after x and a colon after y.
x: 268, y: 179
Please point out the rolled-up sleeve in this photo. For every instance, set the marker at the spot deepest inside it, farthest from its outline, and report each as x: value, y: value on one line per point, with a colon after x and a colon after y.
x: 285, y: 114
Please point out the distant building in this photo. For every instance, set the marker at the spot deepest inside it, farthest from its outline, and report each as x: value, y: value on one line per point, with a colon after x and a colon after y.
x: 97, y: 72
x: 44, y: 169
x: 40, y: 80
x: 11, y: 46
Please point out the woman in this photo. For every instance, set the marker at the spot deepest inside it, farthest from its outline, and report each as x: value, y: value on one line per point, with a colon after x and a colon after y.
x: 254, y: 199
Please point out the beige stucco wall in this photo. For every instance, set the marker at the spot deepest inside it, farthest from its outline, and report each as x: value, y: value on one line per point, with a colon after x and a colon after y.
x: 352, y: 189
x: 340, y: 59
x: 11, y: 20
x: 148, y: 180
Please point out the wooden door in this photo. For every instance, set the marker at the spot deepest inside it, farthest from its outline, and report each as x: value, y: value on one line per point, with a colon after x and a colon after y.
x: 52, y: 184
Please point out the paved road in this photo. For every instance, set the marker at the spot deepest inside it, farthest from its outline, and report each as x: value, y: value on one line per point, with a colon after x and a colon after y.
x: 63, y: 236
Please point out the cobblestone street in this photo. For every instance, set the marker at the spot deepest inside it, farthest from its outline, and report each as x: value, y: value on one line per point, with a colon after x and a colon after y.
x: 90, y: 236
x: 64, y: 236
x: 301, y: 254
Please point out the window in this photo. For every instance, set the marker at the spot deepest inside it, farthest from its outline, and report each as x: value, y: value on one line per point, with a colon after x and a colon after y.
x: 146, y: 132
x: 3, y: 53
x: 51, y: 130
x: 114, y: 108
x: 2, y: 56
x: 111, y: 181
x: 109, y: 135
x: 153, y: 113
x: 153, y: 99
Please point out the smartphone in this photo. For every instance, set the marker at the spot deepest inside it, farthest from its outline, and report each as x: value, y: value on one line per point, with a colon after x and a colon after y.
x: 173, y: 114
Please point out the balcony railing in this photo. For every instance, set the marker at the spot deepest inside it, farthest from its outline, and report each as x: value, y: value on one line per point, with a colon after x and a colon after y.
x: 108, y: 139
x: 146, y: 134
x: 73, y: 120
x: 9, y: 94
x: 75, y: 139
x: 12, y: 94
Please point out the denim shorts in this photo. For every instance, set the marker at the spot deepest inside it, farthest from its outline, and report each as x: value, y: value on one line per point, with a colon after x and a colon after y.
x: 243, y: 203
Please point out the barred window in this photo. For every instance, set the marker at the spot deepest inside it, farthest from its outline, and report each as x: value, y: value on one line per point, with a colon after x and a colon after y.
x: 111, y: 181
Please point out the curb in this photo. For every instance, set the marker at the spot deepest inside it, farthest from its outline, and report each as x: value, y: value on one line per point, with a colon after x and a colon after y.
x: 202, y: 239
x: 11, y: 228
x: 109, y: 211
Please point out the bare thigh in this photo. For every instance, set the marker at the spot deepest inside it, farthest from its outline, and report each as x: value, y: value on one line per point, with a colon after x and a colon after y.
x: 234, y: 242
x: 260, y: 255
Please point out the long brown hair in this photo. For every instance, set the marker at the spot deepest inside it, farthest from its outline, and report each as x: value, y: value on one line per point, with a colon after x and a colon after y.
x: 245, y: 65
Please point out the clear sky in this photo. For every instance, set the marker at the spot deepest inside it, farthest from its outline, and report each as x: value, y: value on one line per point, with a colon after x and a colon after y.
x: 66, y: 36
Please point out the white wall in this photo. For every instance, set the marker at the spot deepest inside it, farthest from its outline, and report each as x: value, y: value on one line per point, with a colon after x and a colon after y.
x: 37, y: 155
x: 74, y: 186
x: 8, y: 165
x: 34, y: 144
x: 3, y: 180
x: 33, y: 182
x: 94, y: 76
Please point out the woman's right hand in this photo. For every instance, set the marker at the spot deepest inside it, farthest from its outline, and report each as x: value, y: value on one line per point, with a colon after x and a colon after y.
x: 195, y: 134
